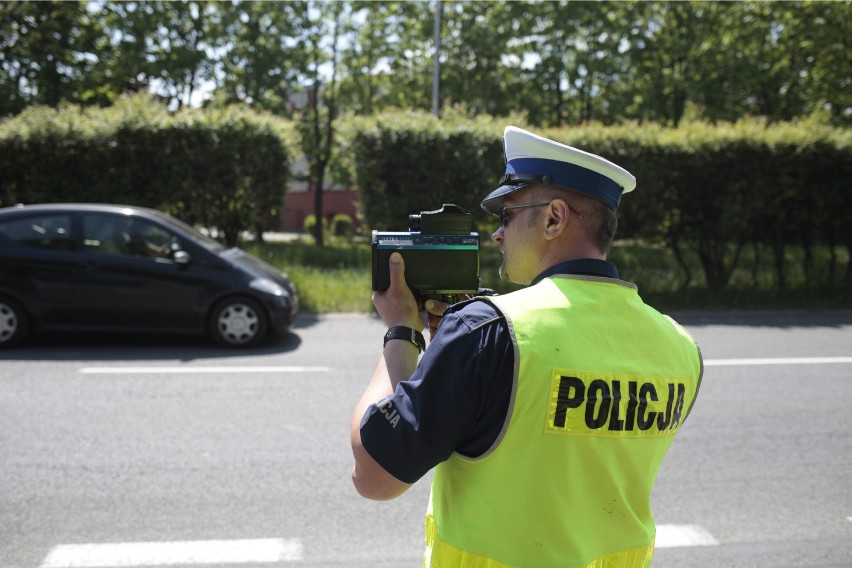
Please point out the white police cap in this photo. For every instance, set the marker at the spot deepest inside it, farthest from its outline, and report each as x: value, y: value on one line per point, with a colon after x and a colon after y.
x: 531, y: 159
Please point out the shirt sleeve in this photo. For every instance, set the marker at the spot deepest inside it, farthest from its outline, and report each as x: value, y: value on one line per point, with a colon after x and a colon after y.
x: 456, y: 400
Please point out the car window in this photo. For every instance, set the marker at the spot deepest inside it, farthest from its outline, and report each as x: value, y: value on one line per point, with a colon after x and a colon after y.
x: 119, y: 234
x: 105, y: 234
x: 196, y: 236
x: 50, y: 231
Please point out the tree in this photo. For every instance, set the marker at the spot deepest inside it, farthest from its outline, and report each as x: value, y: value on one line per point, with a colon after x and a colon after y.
x: 409, y: 63
x: 45, y: 50
x: 582, y: 66
x: 828, y: 26
x: 813, y: 49
x: 475, y: 39
x: 266, y: 58
x: 180, y: 52
x: 372, y: 38
x: 323, y: 29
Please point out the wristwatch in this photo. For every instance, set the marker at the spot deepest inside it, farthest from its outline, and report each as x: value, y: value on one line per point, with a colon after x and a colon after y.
x: 408, y: 334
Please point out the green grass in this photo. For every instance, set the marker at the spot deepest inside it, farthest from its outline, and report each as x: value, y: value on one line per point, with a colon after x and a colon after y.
x: 336, y: 278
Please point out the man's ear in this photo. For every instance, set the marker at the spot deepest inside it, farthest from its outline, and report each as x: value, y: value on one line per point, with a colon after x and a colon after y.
x: 556, y: 219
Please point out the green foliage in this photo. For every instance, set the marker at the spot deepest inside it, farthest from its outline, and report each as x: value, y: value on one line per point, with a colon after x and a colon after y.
x: 331, y: 278
x: 225, y: 169
x: 39, y: 47
x: 341, y: 225
x: 406, y: 162
x: 556, y: 62
x: 262, y: 66
x: 311, y: 226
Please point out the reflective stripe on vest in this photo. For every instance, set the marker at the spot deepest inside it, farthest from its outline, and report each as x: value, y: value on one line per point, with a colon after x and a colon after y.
x: 440, y: 554
x: 602, y: 384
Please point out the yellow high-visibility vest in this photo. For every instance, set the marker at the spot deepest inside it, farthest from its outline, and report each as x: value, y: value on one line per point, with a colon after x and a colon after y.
x: 602, y: 384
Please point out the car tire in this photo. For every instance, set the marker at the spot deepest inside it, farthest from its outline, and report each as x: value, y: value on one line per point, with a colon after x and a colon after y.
x: 14, y: 323
x: 238, y: 322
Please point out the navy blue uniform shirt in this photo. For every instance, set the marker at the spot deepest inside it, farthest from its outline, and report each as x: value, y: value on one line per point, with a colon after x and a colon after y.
x: 458, y: 397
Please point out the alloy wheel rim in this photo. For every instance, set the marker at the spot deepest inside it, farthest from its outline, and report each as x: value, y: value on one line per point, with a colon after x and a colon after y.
x: 8, y: 323
x: 238, y: 323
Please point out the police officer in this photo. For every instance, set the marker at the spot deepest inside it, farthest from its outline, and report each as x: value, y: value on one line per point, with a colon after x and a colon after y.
x: 545, y: 412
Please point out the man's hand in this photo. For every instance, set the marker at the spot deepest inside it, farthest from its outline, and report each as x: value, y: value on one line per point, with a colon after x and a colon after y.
x: 397, y: 305
x: 435, y: 311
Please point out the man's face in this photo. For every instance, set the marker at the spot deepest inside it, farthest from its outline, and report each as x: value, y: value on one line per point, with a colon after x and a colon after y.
x: 516, y: 237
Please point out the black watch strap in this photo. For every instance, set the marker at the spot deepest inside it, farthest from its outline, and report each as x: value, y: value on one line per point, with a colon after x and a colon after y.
x: 408, y: 334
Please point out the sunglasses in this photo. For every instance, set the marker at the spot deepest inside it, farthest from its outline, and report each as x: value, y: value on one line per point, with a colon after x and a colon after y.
x: 504, y: 217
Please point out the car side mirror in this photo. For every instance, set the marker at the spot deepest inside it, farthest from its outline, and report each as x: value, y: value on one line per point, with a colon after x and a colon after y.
x: 181, y: 257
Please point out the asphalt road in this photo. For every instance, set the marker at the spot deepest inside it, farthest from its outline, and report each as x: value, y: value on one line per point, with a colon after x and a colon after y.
x: 131, y: 451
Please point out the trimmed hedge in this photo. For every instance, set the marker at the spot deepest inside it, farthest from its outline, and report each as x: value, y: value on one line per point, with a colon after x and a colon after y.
x: 710, y: 189
x: 408, y: 162
x: 225, y: 169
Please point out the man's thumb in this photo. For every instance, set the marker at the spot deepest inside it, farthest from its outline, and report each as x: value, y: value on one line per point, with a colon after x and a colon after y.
x: 396, y: 268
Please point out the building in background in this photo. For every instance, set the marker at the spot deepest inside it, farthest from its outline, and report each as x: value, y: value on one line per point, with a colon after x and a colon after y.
x: 299, y: 201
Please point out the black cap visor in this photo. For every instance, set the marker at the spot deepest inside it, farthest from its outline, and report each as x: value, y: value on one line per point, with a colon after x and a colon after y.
x: 510, y: 184
x: 494, y: 200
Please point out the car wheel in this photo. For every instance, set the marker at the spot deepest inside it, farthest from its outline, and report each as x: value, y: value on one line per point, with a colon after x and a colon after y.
x: 14, y: 322
x: 238, y: 322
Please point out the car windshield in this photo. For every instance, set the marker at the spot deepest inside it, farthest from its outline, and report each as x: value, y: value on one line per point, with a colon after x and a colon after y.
x: 198, y: 237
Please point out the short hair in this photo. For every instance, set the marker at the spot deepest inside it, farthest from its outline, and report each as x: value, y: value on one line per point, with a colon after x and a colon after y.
x: 598, y: 219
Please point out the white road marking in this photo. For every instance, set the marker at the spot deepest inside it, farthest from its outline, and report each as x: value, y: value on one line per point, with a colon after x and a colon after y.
x: 218, y: 552
x: 672, y: 536
x: 778, y: 361
x: 187, y: 369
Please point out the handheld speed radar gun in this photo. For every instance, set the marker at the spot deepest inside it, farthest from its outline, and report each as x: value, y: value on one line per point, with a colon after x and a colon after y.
x: 441, y: 254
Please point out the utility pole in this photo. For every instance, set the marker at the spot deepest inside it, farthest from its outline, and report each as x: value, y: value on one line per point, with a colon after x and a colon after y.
x: 436, y: 75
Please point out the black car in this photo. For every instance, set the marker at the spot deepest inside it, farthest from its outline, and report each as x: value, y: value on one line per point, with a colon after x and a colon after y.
x: 113, y: 267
